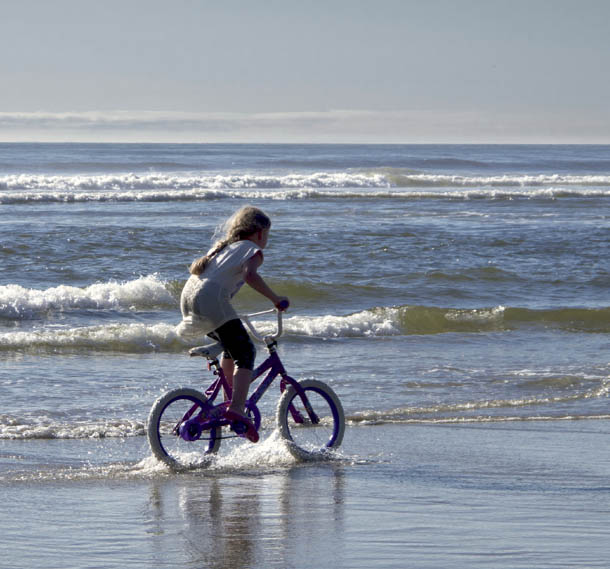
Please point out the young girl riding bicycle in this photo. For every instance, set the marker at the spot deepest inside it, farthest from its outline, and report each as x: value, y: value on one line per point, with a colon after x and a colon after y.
x: 206, y: 301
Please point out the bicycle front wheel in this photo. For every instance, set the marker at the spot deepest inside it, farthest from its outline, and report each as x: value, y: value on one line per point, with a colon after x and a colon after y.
x: 166, y: 417
x: 310, y: 431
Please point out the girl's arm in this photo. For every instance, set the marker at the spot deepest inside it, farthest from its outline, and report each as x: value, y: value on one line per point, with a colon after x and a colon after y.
x: 251, y: 276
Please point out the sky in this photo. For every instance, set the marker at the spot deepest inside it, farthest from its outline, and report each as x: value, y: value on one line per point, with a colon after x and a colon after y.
x: 350, y: 71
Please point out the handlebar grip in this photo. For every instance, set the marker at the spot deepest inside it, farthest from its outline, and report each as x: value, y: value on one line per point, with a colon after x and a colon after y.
x: 283, y: 305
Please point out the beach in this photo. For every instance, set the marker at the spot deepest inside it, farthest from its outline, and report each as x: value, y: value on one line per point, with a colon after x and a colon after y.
x: 511, y: 495
x: 455, y: 297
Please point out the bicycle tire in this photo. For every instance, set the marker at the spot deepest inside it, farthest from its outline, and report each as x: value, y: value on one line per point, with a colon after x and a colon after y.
x: 169, y: 447
x: 306, y: 439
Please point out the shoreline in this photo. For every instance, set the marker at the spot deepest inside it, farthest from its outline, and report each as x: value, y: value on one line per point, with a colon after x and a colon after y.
x: 517, y: 495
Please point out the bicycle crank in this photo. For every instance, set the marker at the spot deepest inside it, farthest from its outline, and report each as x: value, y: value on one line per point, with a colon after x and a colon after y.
x: 191, y: 430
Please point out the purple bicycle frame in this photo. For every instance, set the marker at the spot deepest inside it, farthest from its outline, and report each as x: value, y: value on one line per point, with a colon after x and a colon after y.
x: 275, y: 367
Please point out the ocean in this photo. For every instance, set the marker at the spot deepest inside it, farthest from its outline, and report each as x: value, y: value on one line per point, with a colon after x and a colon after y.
x: 456, y: 297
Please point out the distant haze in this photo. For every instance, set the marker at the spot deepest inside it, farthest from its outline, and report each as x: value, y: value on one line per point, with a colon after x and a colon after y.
x: 286, y: 71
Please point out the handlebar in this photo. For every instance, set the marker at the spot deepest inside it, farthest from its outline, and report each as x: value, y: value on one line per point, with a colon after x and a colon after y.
x: 269, y: 337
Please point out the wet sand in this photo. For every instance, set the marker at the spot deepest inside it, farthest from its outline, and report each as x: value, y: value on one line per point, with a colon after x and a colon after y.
x: 519, y: 495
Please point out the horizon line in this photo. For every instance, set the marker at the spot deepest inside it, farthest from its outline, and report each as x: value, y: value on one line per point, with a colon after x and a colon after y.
x: 361, y: 126
x: 297, y: 143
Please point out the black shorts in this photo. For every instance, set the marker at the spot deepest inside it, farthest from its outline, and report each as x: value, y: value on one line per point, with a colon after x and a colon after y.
x: 236, y: 343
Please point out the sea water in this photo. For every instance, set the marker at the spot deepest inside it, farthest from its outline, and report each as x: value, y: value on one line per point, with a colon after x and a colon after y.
x: 455, y: 297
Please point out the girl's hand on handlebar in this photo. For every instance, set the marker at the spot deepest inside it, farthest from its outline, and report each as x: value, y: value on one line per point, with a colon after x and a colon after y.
x: 282, y: 304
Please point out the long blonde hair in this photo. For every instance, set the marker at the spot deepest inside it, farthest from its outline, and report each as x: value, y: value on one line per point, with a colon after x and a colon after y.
x: 243, y: 223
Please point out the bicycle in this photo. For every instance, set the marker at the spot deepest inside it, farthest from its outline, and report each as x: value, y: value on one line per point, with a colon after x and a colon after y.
x: 185, y: 426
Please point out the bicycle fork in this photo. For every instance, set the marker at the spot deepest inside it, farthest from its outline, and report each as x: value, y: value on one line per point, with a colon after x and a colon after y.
x: 296, y: 414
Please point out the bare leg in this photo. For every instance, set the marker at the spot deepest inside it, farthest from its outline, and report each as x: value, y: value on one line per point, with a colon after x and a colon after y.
x: 228, y: 367
x: 235, y: 412
x: 241, y: 384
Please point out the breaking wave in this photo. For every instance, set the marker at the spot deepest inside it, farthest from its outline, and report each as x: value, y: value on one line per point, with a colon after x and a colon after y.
x: 387, y: 183
x: 384, y: 321
x: 18, y: 302
x: 138, y: 337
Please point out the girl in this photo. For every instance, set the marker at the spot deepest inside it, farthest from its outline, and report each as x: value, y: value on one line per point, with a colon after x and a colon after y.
x: 206, y: 307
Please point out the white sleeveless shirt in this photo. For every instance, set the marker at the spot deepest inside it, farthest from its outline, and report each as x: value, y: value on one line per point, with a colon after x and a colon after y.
x: 205, y: 300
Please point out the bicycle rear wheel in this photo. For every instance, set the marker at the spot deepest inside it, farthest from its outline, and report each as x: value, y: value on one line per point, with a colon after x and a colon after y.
x: 308, y: 435
x: 166, y: 416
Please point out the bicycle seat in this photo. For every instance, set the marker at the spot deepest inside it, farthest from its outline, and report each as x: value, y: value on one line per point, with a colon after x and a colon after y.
x: 211, y: 351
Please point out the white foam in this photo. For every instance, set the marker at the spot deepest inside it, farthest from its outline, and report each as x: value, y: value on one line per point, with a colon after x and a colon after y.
x: 380, y: 322
x: 516, y: 180
x: 481, y: 316
x: 140, y: 337
x: 377, y: 322
x: 43, y: 428
x: 134, y: 187
x: 390, y: 321
x: 20, y: 302
x: 165, y: 187
x: 133, y: 337
x: 271, y: 452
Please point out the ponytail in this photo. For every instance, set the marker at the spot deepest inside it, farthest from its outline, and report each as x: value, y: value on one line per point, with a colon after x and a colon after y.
x: 198, y: 265
x: 243, y: 223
